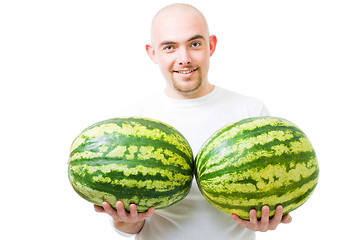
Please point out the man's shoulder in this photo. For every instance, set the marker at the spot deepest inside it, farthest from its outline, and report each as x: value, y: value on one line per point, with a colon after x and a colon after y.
x: 135, y: 108
x: 238, y: 97
x: 239, y: 103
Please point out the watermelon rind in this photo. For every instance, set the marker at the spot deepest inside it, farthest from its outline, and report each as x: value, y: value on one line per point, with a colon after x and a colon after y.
x: 133, y: 160
x: 255, y: 162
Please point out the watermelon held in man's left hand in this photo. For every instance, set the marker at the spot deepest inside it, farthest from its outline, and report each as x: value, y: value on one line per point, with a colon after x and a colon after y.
x: 256, y: 162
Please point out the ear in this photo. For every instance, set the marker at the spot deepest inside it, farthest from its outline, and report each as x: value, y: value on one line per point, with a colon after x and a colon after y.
x: 151, y: 52
x: 212, y: 43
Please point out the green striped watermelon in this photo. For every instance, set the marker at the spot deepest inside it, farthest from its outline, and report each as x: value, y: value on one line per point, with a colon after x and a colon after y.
x: 255, y: 162
x: 134, y: 160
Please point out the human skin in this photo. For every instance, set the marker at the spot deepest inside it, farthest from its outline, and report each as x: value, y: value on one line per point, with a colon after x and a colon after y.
x: 182, y: 47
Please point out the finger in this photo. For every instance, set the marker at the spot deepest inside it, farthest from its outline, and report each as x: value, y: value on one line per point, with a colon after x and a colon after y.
x: 133, y: 211
x: 286, y: 218
x: 253, y: 217
x: 149, y: 212
x: 264, y: 222
x: 241, y: 222
x: 98, y: 208
x: 109, y: 210
x: 120, y: 209
x: 278, y: 213
x: 275, y: 221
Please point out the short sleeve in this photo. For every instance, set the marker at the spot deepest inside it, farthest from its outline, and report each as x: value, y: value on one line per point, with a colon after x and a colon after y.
x: 124, y: 234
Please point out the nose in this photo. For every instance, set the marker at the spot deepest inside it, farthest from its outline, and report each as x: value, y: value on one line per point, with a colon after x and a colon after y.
x: 184, y: 57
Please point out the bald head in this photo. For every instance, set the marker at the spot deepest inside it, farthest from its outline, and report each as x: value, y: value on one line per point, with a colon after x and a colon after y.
x: 182, y: 47
x: 178, y: 12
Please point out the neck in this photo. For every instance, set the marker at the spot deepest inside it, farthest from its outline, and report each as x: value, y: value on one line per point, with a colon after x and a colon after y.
x: 204, y: 90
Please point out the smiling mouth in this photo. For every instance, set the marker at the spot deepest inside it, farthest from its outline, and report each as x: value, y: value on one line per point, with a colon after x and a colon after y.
x: 185, y: 71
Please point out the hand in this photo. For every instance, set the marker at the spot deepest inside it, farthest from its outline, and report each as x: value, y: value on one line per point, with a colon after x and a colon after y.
x: 265, y: 223
x: 120, y: 214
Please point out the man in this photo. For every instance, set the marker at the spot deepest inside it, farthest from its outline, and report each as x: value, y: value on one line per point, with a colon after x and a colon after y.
x: 182, y: 46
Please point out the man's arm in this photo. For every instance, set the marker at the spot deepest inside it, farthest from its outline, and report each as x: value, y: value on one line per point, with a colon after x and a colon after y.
x: 126, y: 222
x: 265, y: 223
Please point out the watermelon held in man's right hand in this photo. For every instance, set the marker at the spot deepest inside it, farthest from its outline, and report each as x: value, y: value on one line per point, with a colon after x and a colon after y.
x: 134, y: 160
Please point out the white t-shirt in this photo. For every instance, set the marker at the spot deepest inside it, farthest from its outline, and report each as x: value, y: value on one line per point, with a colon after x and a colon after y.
x: 197, y: 119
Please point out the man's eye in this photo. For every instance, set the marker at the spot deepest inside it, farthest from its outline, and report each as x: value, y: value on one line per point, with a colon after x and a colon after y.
x: 168, y: 48
x: 196, y: 44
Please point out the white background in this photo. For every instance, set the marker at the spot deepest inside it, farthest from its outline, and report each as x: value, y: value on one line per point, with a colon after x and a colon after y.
x: 67, y: 64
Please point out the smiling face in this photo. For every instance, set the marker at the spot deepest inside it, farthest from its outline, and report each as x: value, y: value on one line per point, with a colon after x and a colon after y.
x: 182, y: 47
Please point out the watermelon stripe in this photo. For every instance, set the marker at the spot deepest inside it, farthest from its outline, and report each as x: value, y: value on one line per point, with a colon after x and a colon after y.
x: 139, y: 154
x: 265, y: 139
x: 228, y: 156
x: 117, y: 174
x: 136, y: 132
x: 266, y: 158
x: 107, y: 193
x: 141, y: 143
x: 246, y: 206
x: 130, y: 188
x: 280, y: 190
x: 149, y: 163
x: 110, y: 138
x: 243, y: 211
x: 258, y: 186
x: 246, y: 126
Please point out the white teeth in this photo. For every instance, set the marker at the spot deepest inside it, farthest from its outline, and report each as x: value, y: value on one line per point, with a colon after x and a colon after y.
x: 186, y: 72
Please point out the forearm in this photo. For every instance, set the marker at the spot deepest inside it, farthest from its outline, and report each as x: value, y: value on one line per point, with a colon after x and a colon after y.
x: 132, y: 228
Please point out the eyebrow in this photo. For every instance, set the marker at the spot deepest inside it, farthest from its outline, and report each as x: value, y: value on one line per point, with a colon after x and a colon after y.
x: 190, y: 39
x: 196, y: 37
